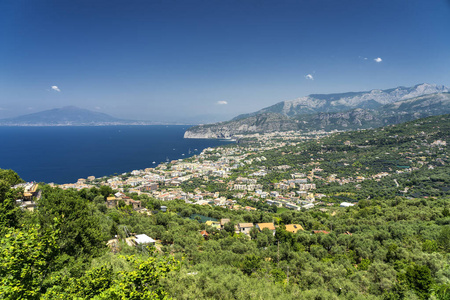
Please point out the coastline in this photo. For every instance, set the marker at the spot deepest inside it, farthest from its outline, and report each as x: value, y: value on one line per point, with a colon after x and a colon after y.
x: 62, y: 154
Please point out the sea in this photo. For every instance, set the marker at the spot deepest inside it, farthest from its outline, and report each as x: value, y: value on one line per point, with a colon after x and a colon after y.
x: 63, y: 154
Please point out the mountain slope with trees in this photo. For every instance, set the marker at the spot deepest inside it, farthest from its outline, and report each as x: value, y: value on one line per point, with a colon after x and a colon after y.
x: 358, y: 114
x: 325, y: 103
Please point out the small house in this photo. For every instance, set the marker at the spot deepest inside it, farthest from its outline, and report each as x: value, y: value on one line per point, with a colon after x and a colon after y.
x: 245, y: 228
x: 294, y: 228
x: 143, y: 239
x: 262, y: 226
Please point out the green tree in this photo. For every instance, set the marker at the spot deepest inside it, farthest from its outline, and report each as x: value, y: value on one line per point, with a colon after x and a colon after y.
x: 106, y: 190
x: 364, y: 265
x: 441, y: 292
x: 420, y: 280
x: 229, y: 227
x: 444, y: 238
x: 429, y: 246
x: 143, y: 281
x: 10, y: 177
x: 78, y: 225
x: 251, y: 264
x: 446, y: 212
x: 278, y: 275
x: 9, y: 212
x: 26, y: 257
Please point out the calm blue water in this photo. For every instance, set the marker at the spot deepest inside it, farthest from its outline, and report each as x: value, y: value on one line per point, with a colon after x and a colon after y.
x: 64, y: 154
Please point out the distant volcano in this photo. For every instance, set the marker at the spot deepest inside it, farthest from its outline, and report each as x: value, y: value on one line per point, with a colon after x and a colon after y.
x: 66, y: 116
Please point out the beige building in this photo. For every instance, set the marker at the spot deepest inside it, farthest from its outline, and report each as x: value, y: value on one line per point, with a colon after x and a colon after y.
x: 245, y: 227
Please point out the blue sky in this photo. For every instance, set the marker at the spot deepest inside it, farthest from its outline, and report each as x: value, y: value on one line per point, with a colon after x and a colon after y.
x: 210, y: 60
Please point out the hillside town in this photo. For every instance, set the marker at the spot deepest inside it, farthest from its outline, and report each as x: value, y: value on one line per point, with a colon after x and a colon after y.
x: 217, y: 166
x: 235, y: 176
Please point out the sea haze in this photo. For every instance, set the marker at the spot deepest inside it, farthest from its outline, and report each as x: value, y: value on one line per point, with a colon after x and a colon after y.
x: 64, y: 154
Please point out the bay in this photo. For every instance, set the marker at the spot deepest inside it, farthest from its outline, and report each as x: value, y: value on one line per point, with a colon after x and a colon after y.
x: 64, y: 154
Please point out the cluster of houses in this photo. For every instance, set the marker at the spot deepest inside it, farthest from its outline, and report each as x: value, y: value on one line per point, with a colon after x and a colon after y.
x: 142, y: 240
x: 163, y: 182
x: 114, y: 201
x: 245, y: 228
x: 216, y: 165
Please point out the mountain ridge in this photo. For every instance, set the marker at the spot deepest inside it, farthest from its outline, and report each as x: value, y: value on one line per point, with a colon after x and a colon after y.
x: 370, y: 109
x: 315, y: 103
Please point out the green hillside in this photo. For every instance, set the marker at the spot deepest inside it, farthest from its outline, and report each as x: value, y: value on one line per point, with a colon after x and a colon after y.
x: 393, y: 243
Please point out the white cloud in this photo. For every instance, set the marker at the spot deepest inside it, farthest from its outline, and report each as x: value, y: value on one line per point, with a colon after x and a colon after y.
x: 222, y: 102
x: 378, y: 59
x: 309, y: 77
x: 55, y: 88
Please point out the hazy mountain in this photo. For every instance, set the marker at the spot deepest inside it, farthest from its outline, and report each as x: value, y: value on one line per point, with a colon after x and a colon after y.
x: 358, y: 118
x: 69, y: 115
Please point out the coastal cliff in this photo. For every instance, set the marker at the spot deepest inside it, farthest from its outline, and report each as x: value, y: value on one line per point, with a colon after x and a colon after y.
x: 269, y: 122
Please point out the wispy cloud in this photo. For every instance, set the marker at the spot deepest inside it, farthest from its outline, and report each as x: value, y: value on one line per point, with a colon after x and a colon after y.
x: 222, y: 102
x: 309, y: 77
x: 55, y: 88
x: 378, y: 59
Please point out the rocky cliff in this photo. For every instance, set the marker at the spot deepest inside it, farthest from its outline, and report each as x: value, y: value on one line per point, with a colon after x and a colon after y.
x: 268, y: 122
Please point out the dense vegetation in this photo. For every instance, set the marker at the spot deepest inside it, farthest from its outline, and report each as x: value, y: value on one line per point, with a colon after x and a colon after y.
x: 391, y: 245
x: 398, y: 249
x: 406, y: 152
